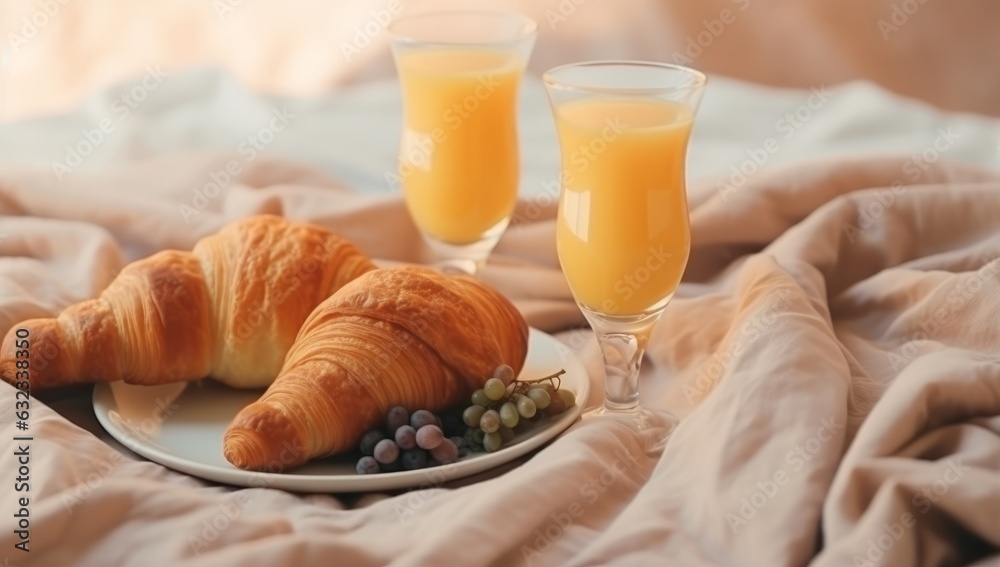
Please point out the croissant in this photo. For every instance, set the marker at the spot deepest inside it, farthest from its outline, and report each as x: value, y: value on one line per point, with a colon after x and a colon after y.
x: 403, y: 336
x: 229, y: 309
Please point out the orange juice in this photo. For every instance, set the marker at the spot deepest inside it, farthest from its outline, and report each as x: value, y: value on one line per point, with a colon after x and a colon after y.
x: 459, y: 160
x: 623, y: 231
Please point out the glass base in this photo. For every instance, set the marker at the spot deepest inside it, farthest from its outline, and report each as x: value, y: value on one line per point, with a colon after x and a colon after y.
x: 652, y: 426
x: 623, y: 340
x: 466, y: 258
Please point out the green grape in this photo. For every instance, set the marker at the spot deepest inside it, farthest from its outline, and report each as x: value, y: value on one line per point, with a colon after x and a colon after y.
x: 568, y: 398
x: 480, y: 398
x: 494, y: 389
x: 508, y: 415
x: 472, y: 415
x: 507, y: 434
x: 504, y: 373
x: 526, y: 407
x: 490, y: 421
x: 540, y: 397
x: 492, y: 442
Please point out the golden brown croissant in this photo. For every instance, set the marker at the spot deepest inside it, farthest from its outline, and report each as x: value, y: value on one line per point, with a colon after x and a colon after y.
x: 229, y: 309
x: 402, y: 336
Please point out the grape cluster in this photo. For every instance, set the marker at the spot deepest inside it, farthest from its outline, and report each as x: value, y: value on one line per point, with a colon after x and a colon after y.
x: 423, y: 438
x: 504, y: 403
x: 411, y: 441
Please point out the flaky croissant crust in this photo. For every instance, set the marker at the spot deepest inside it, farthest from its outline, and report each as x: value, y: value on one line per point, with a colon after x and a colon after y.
x: 402, y: 336
x: 230, y: 309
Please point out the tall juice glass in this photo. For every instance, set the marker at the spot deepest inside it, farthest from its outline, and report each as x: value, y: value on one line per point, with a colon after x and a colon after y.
x: 622, y: 230
x: 458, y: 161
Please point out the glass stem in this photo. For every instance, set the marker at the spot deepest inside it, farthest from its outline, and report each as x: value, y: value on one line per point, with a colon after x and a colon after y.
x: 623, y: 343
x: 467, y: 258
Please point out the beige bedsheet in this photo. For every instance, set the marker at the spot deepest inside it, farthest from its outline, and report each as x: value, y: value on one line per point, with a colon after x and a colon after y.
x: 833, y: 354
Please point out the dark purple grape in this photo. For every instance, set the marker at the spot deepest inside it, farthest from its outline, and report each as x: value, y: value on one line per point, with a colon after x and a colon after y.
x: 461, y: 445
x: 478, y: 435
x: 394, y: 466
x: 445, y: 453
x: 471, y: 444
x: 422, y: 417
x: 369, y: 440
x: 396, y: 418
x: 386, y: 451
x: 406, y: 437
x: 452, y: 425
x: 414, y: 459
x: 367, y: 465
x: 429, y: 436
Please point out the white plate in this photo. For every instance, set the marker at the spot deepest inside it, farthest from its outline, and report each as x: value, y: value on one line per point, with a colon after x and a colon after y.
x: 181, y: 426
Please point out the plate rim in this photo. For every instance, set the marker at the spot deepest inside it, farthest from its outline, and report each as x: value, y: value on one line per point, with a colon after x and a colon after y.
x: 104, y: 404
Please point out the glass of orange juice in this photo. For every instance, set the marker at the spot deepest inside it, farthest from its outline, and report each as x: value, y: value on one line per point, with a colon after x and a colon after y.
x: 458, y: 160
x: 622, y: 230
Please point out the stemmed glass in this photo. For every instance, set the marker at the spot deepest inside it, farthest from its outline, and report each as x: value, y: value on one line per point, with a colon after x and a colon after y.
x: 458, y: 159
x: 622, y: 230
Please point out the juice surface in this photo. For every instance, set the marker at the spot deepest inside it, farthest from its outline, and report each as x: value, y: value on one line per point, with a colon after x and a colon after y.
x: 459, y: 157
x: 623, y: 231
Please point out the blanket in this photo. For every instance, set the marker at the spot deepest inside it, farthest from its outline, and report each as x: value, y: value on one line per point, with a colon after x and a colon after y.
x: 832, y: 354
